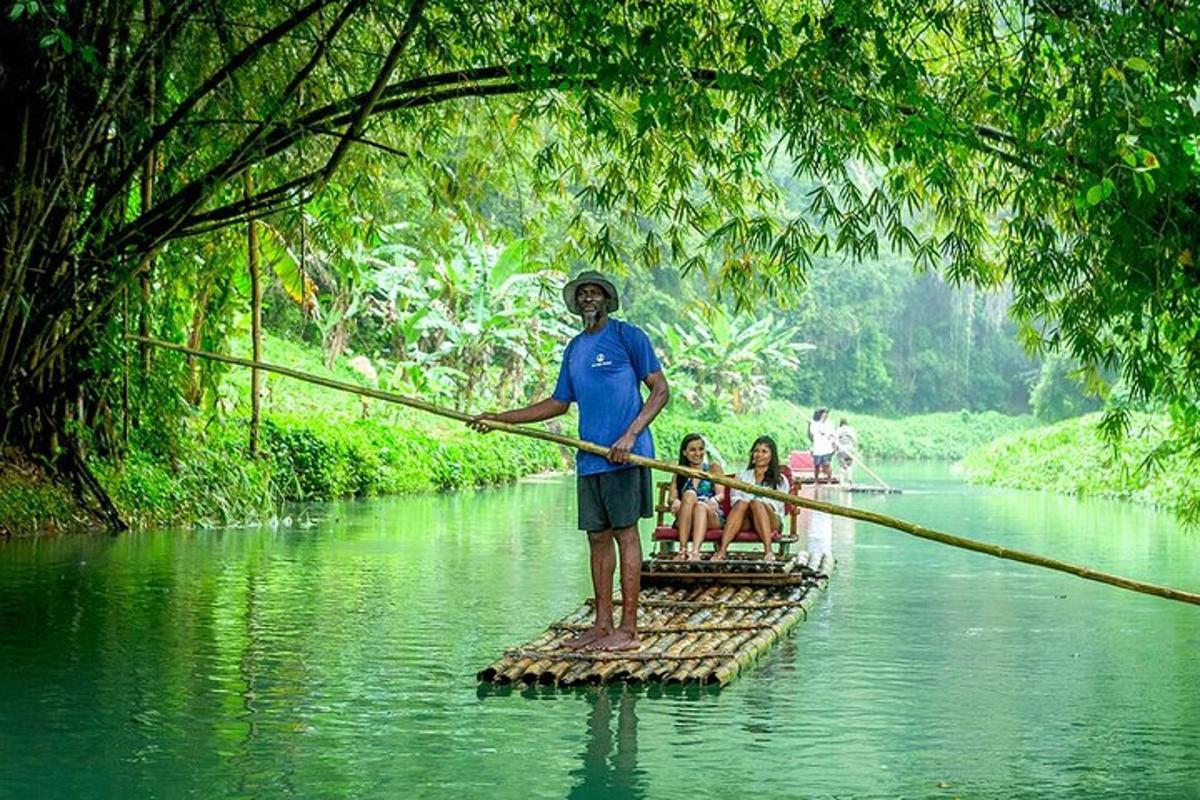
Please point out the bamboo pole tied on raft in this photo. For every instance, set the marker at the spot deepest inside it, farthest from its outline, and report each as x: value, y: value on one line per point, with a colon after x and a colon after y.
x: 997, y: 551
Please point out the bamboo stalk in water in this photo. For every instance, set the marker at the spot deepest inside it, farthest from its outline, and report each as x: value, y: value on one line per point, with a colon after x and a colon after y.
x: 505, y: 664
x: 997, y: 551
x: 731, y: 625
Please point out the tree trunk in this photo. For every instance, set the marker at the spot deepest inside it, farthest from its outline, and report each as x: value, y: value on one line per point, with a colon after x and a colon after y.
x: 147, y: 194
x: 193, y: 390
x: 255, y: 318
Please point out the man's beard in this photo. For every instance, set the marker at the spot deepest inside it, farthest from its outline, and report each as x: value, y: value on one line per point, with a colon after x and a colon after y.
x: 591, y: 315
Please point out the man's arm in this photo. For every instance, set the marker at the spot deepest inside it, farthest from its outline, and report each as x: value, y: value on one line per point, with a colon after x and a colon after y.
x: 660, y: 394
x: 545, y: 409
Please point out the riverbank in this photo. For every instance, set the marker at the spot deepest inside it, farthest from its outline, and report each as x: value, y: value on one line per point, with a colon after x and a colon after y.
x: 945, y: 436
x: 1070, y: 457
x: 319, y: 444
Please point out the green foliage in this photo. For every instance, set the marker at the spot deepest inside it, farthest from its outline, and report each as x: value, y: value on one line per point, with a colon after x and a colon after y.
x: 940, y: 436
x: 716, y: 358
x: 1051, y: 151
x: 943, y: 436
x: 1058, y: 393
x: 312, y: 460
x: 31, y: 503
x: 207, y: 480
x: 1073, y: 457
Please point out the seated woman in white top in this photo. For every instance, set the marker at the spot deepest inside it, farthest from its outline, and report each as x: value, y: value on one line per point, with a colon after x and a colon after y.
x: 750, y: 511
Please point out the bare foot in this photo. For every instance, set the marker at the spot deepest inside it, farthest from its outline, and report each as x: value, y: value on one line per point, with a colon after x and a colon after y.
x: 718, y: 556
x: 619, y: 640
x: 768, y: 557
x: 588, y: 638
x: 682, y: 555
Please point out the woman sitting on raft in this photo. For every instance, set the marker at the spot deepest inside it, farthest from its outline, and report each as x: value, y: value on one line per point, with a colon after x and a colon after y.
x: 750, y: 511
x: 695, y: 502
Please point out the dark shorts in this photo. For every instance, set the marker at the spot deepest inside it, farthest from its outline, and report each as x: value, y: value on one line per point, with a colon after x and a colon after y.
x: 820, y: 461
x: 615, y: 499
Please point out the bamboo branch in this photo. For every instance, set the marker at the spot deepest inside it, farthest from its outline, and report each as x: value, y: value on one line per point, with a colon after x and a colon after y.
x: 368, y: 106
x: 349, y: 111
x: 248, y: 53
x: 883, y: 520
x: 166, y: 217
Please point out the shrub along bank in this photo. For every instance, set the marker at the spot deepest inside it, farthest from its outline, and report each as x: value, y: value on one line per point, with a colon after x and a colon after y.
x: 943, y: 436
x: 1070, y: 457
x: 210, y: 480
x: 317, y: 445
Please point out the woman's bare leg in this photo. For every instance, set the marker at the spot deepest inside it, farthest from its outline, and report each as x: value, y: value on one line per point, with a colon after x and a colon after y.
x: 703, y: 518
x: 696, y: 530
x: 764, y: 518
x: 737, y: 516
x: 683, y: 520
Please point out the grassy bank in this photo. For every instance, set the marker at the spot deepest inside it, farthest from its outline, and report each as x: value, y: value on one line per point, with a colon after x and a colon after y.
x: 1070, y: 457
x: 944, y: 436
x: 30, y: 502
x: 318, y: 445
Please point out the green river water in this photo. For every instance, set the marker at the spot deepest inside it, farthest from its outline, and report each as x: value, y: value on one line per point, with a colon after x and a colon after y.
x: 337, y: 659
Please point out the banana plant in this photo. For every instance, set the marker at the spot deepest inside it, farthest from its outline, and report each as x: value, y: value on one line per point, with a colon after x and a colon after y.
x: 716, y: 356
x: 478, y: 314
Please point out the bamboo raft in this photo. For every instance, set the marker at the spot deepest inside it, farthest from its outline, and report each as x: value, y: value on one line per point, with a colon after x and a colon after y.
x: 805, y: 478
x: 870, y: 489
x: 700, y: 622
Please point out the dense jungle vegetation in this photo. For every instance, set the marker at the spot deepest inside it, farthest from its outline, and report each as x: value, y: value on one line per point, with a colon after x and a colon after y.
x: 878, y: 207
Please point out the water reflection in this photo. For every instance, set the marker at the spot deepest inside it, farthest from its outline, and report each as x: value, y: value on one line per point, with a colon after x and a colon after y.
x: 817, y: 525
x: 605, y: 773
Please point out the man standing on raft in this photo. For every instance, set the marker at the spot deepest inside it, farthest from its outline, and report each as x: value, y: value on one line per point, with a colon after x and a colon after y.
x: 601, y: 370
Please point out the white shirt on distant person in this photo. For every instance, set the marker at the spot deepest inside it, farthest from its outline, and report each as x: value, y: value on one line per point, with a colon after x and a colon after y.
x: 847, y: 440
x: 822, y: 437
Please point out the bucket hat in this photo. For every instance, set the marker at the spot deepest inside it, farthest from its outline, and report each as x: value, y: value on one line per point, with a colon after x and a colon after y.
x: 590, y: 276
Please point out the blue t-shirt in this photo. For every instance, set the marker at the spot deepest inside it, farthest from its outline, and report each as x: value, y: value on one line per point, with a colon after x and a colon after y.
x: 602, y: 372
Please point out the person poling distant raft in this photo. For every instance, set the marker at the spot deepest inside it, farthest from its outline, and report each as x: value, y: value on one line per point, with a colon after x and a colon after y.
x: 997, y: 551
x: 601, y: 369
x: 846, y: 440
x: 823, y: 445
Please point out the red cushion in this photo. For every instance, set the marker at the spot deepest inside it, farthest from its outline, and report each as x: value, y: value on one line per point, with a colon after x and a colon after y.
x: 665, y: 533
x: 786, y: 472
x: 800, y: 460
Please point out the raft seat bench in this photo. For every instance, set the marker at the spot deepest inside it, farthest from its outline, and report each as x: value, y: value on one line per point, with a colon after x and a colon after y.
x: 667, y: 536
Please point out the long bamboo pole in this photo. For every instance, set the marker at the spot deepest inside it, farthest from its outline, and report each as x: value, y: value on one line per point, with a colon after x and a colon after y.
x: 995, y: 550
x: 871, y: 472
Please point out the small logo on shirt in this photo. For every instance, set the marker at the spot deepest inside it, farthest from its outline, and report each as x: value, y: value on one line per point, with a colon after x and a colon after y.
x: 601, y: 361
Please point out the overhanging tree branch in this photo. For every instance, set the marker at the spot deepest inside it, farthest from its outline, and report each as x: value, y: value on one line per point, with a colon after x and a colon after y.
x: 368, y: 106
x: 168, y: 214
x: 240, y: 60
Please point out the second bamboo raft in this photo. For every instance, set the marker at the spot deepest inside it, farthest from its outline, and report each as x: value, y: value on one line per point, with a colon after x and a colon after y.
x: 704, y: 631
